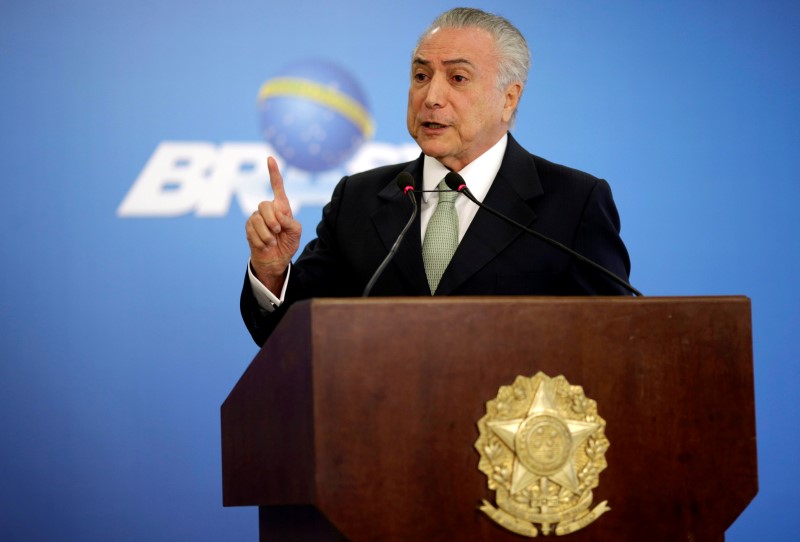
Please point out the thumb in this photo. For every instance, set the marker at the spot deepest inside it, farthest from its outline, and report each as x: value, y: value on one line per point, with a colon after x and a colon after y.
x: 287, y: 222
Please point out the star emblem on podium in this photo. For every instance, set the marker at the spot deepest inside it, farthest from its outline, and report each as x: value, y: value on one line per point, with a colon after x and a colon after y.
x: 544, y: 442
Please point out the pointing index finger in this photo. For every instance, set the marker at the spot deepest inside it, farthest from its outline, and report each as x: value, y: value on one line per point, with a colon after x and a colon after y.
x: 276, y: 182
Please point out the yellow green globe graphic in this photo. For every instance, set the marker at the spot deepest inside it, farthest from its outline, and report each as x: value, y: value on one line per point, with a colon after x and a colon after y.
x: 314, y: 114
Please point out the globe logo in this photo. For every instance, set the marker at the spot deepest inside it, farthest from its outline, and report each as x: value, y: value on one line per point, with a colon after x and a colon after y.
x: 314, y: 114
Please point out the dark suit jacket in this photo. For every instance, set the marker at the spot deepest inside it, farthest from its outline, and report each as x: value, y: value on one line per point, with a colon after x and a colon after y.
x: 368, y: 210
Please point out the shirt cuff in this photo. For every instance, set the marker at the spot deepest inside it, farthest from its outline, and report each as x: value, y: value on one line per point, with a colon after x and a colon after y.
x: 264, y: 297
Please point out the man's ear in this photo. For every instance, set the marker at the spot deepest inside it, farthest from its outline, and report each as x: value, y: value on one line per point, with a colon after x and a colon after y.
x: 512, y: 94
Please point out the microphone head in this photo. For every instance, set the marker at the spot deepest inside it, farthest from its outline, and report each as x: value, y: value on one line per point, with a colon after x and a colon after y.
x: 405, y: 181
x: 455, y: 182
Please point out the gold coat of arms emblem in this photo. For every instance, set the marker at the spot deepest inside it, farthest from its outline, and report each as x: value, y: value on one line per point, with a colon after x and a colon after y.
x: 542, y: 447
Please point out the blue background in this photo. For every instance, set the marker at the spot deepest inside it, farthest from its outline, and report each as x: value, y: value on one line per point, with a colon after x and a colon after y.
x: 121, y: 336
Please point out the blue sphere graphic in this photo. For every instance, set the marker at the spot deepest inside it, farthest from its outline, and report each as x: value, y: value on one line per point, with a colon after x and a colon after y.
x: 314, y: 114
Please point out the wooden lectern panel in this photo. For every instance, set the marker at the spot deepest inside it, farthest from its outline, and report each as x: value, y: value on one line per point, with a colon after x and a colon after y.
x: 366, y: 410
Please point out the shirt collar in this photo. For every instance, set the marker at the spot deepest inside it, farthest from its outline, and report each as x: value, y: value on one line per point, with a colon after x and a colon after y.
x: 478, y: 174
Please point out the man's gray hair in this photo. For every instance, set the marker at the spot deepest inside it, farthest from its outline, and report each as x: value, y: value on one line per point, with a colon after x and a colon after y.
x: 515, y: 57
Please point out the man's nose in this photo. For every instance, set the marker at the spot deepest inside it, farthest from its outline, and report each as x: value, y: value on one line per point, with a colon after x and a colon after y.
x: 436, y: 95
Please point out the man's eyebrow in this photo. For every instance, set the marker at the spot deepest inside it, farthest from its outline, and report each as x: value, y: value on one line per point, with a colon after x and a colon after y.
x: 422, y: 61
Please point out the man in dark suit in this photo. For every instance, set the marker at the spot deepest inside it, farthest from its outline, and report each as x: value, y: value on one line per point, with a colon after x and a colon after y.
x: 468, y: 72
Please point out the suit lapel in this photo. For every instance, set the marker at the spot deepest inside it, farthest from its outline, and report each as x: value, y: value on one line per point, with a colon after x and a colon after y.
x: 389, y: 219
x: 516, y: 183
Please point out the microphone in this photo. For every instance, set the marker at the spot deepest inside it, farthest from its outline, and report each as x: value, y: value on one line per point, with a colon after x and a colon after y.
x: 455, y: 182
x: 406, y: 183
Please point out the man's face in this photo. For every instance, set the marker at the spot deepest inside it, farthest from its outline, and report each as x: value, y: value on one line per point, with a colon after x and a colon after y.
x: 455, y: 109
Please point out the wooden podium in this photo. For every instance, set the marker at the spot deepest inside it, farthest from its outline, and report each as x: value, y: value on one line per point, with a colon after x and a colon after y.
x: 357, y: 420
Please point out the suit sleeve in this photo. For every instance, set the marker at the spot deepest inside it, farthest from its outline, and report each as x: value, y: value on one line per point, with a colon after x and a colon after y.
x: 598, y: 238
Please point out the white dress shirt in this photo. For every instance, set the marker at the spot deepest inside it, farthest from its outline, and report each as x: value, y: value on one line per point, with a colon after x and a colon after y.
x: 478, y: 175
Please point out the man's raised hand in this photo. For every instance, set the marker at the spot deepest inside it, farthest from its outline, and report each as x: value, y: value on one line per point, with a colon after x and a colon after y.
x: 273, y: 234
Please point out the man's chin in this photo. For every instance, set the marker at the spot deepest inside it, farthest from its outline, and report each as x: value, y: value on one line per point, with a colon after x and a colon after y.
x: 434, y: 147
